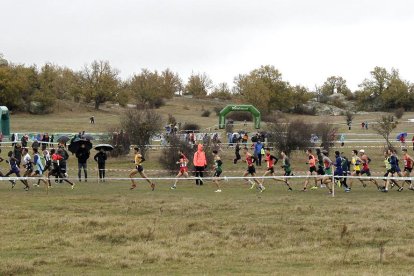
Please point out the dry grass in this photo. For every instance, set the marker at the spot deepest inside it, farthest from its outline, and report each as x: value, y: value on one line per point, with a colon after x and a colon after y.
x: 105, y: 229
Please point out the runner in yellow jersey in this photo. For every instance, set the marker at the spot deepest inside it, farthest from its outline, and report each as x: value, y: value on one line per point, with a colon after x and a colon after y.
x: 139, y: 169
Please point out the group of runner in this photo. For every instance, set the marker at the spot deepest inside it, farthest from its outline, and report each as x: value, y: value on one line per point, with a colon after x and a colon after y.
x: 46, y: 164
x: 327, y: 172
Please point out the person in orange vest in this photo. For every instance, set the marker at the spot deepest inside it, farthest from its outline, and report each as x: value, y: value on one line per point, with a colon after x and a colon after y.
x: 312, y: 168
x: 200, y: 163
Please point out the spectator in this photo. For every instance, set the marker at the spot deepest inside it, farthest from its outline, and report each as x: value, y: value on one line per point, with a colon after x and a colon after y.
x: 342, y: 140
x: 92, y: 120
x: 363, y: 125
x: 258, y: 152
x: 366, y: 124
x: 24, y: 141
x: 52, y: 139
x: 17, y: 153
x: 83, y: 155
x: 101, y: 157
x: 200, y: 163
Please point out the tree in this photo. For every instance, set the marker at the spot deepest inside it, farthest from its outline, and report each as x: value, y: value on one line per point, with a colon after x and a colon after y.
x: 198, y: 85
x: 141, y: 125
x: 146, y: 88
x: 335, y: 84
x: 3, y: 61
x: 99, y: 82
x: 327, y: 134
x: 170, y: 83
x: 221, y: 91
x: 384, y: 126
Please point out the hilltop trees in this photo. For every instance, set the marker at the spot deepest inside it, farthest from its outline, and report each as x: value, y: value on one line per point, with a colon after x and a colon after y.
x: 198, y: 85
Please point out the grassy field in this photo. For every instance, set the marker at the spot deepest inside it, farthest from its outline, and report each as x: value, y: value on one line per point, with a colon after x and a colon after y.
x: 106, y: 229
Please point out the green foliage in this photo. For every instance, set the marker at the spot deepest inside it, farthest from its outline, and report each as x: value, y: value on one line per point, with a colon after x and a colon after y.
x: 99, y: 82
x: 399, y: 112
x: 198, y: 85
x: 384, y: 126
x: 222, y: 92
x: 150, y: 88
x: 335, y: 84
x: 384, y: 91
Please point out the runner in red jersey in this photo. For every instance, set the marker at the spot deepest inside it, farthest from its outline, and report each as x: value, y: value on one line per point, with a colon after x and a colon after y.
x: 183, y: 161
x: 408, y: 167
x: 271, y: 161
x: 251, y: 170
x: 312, y: 169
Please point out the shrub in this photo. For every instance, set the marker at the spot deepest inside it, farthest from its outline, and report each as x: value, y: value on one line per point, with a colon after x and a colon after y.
x: 206, y: 113
x: 171, y: 119
x: 169, y: 155
x: 140, y: 126
x: 399, y: 112
x: 157, y: 103
x: 217, y: 109
x: 290, y: 135
x: 240, y: 116
x: 327, y: 134
x: 191, y: 126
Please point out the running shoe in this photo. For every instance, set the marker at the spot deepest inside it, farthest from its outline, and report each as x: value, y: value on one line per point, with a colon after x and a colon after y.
x: 73, y: 186
x: 253, y: 184
x: 133, y: 186
x: 218, y: 191
x: 173, y: 187
x: 411, y: 188
x: 13, y: 183
x: 26, y: 188
x: 322, y: 186
x: 290, y: 189
x: 152, y: 186
x: 314, y: 188
x: 35, y: 185
x: 262, y: 189
x: 347, y: 190
x: 400, y: 189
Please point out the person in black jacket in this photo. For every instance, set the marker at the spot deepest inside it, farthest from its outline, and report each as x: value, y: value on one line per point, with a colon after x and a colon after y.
x: 83, y: 155
x: 100, y: 157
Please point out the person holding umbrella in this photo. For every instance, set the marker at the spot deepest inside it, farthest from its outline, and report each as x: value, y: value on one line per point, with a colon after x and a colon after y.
x: 100, y: 158
x: 83, y: 155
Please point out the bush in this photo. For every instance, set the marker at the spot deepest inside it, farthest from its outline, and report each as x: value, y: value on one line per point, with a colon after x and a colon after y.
x: 190, y: 126
x: 140, y: 126
x: 399, y: 112
x: 171, y: 119
x: 157, y: 103
x: 217, y: 109
x: 300, y: 109
x: 327, y: 134
x: 290, y: 136
x: 240, y: 116
x: 206, y: 113
x: 169, y: 155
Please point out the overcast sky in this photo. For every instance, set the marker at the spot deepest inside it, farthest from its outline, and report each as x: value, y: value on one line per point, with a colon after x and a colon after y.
x: 306, y: 40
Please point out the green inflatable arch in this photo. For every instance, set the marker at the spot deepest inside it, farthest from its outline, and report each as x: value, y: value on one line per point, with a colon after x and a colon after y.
x: 250, y: 108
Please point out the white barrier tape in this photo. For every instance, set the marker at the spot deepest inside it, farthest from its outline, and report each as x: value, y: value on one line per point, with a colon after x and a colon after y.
x: 217, y: 178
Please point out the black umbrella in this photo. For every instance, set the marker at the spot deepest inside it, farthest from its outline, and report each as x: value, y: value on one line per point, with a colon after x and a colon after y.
x: 76, y: 144
x: 63, y: 139
x: 105, y: 147
x: 88, y: 137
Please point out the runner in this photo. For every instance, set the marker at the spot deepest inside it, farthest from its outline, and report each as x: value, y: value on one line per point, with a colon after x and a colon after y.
x: 321, y: 170
x: 365, y: 169
x: 339, y: 173
x: 346, y: 166
x: 1, y: 173
x: 58, y: 168
x: 251, y: 170
x: 387, y: 168
x: 395, y: 169
x: 183, y: 161
x: 356, y: 163
x: 218, y: 170
x: 271, y: 160
x: 27, y: 163
x: 139, y: 169
x: 312, y: 169
x: 39, y: 167
x: 286, y: 167
x: 48, y: 164
x: 14, y: 169
x: 408, y: 167
x: 326, y: 179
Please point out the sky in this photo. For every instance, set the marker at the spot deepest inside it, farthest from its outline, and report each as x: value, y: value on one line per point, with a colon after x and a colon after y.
x: 307, y: 41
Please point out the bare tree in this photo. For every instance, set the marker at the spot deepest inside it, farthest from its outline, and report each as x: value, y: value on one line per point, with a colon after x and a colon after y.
x: 384, y: 126
x: 141, y: 125
x: 290, y: 136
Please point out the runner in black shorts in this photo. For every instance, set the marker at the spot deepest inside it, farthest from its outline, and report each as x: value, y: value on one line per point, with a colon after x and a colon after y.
x: 217, y: 170
x: 251, y: 170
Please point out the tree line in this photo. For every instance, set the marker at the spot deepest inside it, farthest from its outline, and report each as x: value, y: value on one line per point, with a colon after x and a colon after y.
x: 22, y: 86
